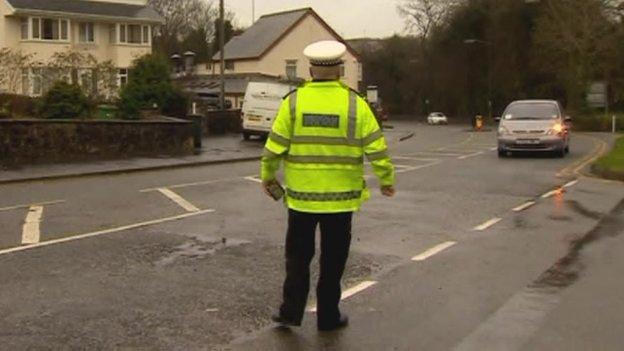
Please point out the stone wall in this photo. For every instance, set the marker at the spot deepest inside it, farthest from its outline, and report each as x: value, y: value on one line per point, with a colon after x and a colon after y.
x: 47, y: 141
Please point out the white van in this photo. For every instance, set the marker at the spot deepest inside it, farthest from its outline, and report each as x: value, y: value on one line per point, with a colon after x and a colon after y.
x: 260, y: 107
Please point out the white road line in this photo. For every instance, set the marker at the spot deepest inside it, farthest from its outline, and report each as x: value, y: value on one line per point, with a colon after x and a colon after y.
x: 415, y: 168
x: 30, y: 231
x: 45, y: 203
x: 415, y: 158
x: 178, y: 200
x: 351, y: 291
x: 102, y: 232
x: 254, y: 179
x: 434, y: 153
x: 487, y: 224
x: 551, y: 193
x: 570, y: 184
x: 471, y: 155
x: 186, y: 185
x: 524, y: 206
x: 433, y: 251
x: 494, y: 148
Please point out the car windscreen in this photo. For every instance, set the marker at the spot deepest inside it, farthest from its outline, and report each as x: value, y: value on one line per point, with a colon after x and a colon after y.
x: 531, y: 111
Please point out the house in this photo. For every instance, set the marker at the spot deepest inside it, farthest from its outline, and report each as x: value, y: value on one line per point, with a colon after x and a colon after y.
x: 109, y: 30
x: 273, y: 47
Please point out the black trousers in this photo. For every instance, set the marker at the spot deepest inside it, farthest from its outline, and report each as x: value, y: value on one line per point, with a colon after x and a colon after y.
x: 300, y: 245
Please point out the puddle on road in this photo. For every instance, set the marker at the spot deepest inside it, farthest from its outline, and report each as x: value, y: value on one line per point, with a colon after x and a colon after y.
x: 567, y: 270
x: 198, y: 248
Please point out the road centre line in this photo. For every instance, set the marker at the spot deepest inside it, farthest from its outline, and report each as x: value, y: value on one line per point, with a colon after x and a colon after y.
x: 351, y: 291
x: 487, y: 224
x: 254, y: 178
x: 178, y: 200
x: 435, y: 153
x: 31, y: 232
x: 570, y: 184
x: 45, y: 203
x: 524, y: 206
x: 552, y: 193
x: 415, y: 158
x: 186, y: 185
x: 470, y: 155
x: 415, y: 168
x: 433, y: 251
x: 103, y: 232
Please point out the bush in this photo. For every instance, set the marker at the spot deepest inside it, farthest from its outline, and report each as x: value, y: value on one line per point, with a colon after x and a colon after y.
x: 149, y: 85
x: 176, y: 103
x: 64, y: 100
x: 12, y: 106
x: 597, y: 123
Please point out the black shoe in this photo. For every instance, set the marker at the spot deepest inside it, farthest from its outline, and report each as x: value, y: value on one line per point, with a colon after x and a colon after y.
x: 340, y: 323
x: 285, y: 322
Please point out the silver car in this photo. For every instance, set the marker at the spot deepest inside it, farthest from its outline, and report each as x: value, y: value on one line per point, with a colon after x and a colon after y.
x: 535, y: 126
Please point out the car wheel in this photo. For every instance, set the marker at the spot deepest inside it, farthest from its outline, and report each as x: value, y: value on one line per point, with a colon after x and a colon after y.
x: 560, y: 153
x: 246, y: 136
x: 567, y: 149
x: 502, y: 153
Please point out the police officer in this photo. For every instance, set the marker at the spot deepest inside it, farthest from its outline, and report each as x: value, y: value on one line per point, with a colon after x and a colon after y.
x: 322, y: 132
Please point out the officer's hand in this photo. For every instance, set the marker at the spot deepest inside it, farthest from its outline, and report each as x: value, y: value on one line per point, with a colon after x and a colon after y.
x: 388, y: 190
x: 266, y: 184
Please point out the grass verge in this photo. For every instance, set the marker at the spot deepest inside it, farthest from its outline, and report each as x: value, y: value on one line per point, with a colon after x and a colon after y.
x: 611, y: 166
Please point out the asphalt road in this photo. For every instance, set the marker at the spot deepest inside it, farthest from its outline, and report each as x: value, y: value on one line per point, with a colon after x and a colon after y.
x: 191, y: 258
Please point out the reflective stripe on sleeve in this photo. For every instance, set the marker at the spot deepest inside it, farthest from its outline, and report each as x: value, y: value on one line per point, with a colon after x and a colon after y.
x: 279, y: 139
x: 374, y: 136
x: 376, y: 156
x: 345, y: 160
x: 324, y: 197
x: 270, y: 154
x: 293, y: 106
x: 352, y: 115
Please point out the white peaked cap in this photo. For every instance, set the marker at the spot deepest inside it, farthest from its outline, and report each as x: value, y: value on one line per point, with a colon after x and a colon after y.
x: 325, y: 53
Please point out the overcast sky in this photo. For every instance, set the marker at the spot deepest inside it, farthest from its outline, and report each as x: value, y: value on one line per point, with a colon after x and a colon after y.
x: 350, y: 18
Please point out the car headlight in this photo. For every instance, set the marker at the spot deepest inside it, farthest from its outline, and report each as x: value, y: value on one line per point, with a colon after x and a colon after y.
x: 503, y: 131
x: 556, y: 129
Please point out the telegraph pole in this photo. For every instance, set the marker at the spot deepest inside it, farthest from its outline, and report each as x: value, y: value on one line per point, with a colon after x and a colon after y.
x: 221, y: 52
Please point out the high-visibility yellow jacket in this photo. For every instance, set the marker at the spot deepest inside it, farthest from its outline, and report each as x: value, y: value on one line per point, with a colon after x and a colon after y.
x: 322, y: 132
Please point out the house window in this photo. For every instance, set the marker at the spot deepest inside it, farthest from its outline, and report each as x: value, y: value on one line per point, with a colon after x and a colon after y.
x: 134, y: 34
x: 122, y: 77
x: 24, y: 28
x: 229, y: 65
x: 291, y: 69
x: 32, y: 81
x: 36, y: 28
x: 46, y: 29
x: 86, y: 32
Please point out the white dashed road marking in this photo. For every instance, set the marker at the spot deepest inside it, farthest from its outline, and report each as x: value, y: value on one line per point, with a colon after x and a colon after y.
x: 487, y: 224
x: 17, y: 207
x: 551, y: 193
x: 178, y: 200
x: 102, y: 232
x: 254, y: 179
x: 433, y: 251
x: 470, y: 155
x: 572, y: 183
x: 351, y: 291
x: 31, y: 232
x: 524, y: 206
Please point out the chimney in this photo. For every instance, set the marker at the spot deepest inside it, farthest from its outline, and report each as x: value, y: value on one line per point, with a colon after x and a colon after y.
x: 189, y: 62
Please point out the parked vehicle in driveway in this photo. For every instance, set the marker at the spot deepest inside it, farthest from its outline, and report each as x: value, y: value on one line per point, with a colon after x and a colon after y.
x: 437, y: 118
x: 262, y: 102
x: 535, y: 126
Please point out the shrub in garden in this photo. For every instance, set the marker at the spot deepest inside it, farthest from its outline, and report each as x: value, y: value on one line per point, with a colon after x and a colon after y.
x: 64, y: 100
x: 149, y: 85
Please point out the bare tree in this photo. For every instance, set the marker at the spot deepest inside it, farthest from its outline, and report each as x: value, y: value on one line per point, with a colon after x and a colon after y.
x: 422, y: 16
x: 12, y: 64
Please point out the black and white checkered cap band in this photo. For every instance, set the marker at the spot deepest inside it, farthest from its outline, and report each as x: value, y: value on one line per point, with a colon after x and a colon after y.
x: 327, y: 63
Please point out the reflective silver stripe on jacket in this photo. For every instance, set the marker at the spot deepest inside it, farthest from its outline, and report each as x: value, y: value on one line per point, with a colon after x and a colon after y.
x: 376, y: 156
x: 279, y: 139
x: 345, y: 160
x: 324, y: 197
x: 293, y: 107
x: 352, y: 115
x: 374, y: 136
x: 326, y: 140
